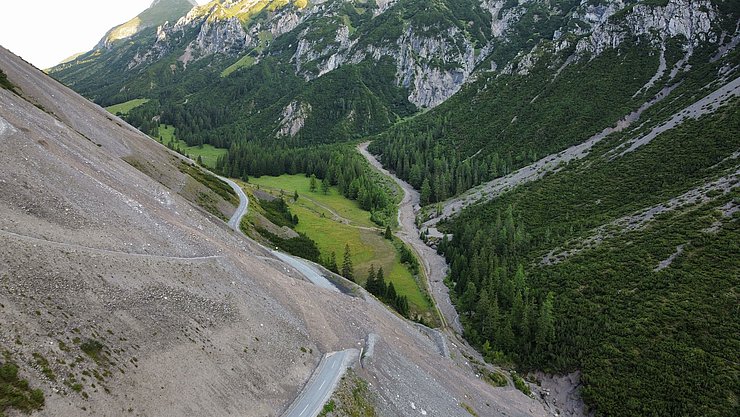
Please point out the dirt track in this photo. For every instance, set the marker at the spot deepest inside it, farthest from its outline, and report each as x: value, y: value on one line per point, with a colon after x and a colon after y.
x: 435, y: 265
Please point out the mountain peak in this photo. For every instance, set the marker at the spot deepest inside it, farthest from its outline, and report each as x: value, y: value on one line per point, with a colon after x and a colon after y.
x: 159, y: 12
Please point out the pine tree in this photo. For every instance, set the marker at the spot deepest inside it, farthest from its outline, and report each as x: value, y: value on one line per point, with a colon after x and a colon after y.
x: 403, y: 305
x: 388, y: 234
x: 312, y: 184
x: 295, y: 195
x: 545, y: 329
x: 325, y: 185
x: 371, y: 285
x: 505, y: 336
x: 426, y: 192
x: 482, y: 308
x: 382, y: 289
x: 347, y: 269
x: 391, y: 294
x: 469, y: 297
x: 333, y: 263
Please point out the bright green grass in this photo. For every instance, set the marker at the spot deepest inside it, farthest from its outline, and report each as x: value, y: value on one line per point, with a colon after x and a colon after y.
x: 246, y: 62
x: 346, y: 208
x: 208, y: 153
x: 124, y: 108
x: 368, y: 247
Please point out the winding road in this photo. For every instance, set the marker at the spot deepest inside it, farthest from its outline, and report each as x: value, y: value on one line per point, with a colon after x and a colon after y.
x: 435, y: 265
x: 307, y: 270
x: 325, y: 378
x: 311, y: 273
x: 241, y: 211
x: 322, y: 384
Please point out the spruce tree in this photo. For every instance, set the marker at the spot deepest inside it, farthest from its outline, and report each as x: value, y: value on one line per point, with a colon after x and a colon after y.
x: 371, y: 285
x: 333, y: 267
x: 381, y: 287
x: 545, y: 331
x: 426, y: 193
x: 388, y: 234
x: 391, y: 294
x: 312, y: 183
x: 347, y: 269
x: 325, y: 185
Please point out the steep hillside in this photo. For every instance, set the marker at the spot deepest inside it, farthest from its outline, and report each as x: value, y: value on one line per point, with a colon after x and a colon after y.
x: 119, y: 296
x: 603, y: 237
x: 157, y: 14
x: 597, y: 64
x: 261, y: 70
x: 577, y: 160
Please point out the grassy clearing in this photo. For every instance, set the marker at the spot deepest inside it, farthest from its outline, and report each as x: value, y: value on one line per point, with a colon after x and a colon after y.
x: 368, y: 248
x: 344, y: 207
x: 367, y: 245
x: 245, y: 62
x: 124, y: 108
x: 208, y: 153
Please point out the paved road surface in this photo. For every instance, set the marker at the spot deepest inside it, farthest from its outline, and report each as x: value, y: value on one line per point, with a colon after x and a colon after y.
x: 241, y: 211
x: 319, y: 388
x: 307, y: 270
x: 324, y: 380
x: 434, y: 264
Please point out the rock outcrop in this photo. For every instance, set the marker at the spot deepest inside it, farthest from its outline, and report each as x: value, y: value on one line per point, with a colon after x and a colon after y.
x: 157, y: 14
x: 607, y: 26
x: 294, y: 118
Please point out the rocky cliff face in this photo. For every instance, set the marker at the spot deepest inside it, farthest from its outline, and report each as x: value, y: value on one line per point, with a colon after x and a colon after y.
x: 594, y: 29
x: 294, y: 118
x: 435, y: 47
x: 434, y: 69
x: 432, y: 62
x: 157, y: 14
x: 688, y: 18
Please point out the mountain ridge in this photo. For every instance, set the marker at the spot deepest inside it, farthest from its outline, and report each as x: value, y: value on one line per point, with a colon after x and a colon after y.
x: 159, y: 12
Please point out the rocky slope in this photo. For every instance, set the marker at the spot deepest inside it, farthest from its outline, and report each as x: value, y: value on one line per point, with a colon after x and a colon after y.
x: 160, y: 12
x: 388, y: 59
x: 421, y: 55
x: 119, y: 296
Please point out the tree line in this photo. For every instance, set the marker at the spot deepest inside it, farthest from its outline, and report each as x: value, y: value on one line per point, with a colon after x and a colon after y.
x: 502, y: 315
x: 386, y: 292
x: 333, y: 165
x: 436, y: 170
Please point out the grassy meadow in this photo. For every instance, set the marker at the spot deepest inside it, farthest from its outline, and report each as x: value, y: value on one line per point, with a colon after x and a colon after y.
x: 208, y: 153
x: 124, y: 108
x: 334, y: 221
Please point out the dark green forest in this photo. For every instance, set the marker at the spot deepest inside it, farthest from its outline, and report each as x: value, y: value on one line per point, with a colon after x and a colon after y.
x: 477, y: 136
x: 642, y: 339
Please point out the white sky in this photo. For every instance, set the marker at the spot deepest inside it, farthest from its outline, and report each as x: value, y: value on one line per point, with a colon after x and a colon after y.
x: 45, y: 32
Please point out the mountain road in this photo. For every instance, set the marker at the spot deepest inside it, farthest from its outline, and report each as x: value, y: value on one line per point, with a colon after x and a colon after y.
x: 241, y: 211
x: 322, y: 384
